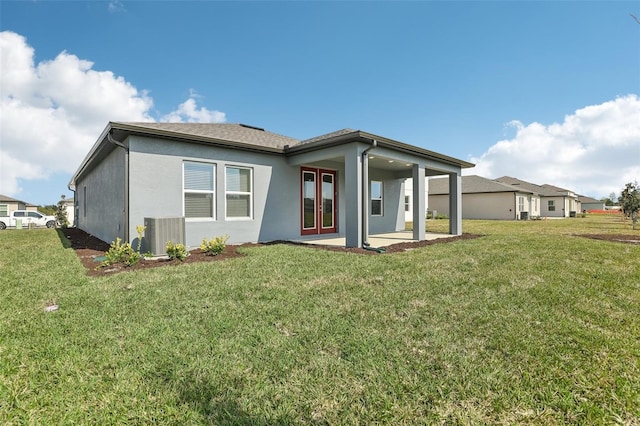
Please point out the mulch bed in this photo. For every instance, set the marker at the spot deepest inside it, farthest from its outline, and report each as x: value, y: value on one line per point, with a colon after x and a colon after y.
x: 618, y: 238
x: 88, y: 247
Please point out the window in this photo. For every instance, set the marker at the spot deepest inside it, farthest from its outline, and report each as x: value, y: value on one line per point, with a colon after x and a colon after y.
x: 19, y: 214
x: 35, y: 215
x: 407, y: 203
x: 376, y: 198
x: 521, y: 204
x: 551, y: 206
x: 239, y: 192
x: 4, y: 210
x: 199, y: 190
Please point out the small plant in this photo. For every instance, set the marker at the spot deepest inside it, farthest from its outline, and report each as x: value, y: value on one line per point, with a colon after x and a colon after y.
x: 441, y: 216
x: 214, y: 246
x: 61, y: 213
x: 176, y: 251
x: 120, y: 252
x: 140, y: 230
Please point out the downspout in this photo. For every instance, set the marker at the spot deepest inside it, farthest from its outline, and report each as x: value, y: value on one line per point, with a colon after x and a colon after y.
x: 126, y: 183
x: 365, y: 199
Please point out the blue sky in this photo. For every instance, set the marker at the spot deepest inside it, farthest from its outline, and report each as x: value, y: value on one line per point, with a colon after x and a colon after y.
x: 543, y: 91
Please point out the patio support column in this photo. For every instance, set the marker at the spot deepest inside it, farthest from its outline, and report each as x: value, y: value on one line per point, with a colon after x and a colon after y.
x: 353, y: 197
x: 418, y: 203
x: 455, y: 204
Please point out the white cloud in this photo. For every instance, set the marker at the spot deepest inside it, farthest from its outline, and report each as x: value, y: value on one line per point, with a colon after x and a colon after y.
x: 52, y: 112
x: 189, y: 112
x: 116, y: 6
x: 594, y: 151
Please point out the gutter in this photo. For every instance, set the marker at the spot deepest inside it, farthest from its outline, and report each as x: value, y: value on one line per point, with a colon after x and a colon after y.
x: 126, y: 182
x: 365, y: 199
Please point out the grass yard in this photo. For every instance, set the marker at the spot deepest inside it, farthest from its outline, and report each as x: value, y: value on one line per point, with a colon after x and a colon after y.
x: 529, y: 324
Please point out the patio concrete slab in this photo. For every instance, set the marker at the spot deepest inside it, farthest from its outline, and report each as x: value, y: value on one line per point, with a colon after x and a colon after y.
x: 379, y: 240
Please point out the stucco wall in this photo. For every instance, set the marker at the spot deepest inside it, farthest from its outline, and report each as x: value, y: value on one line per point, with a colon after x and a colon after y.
x: 100, y: 197
x: 156, y: 168
x: 392, y: 218
x: 501, y: 206
x: 560, y: 207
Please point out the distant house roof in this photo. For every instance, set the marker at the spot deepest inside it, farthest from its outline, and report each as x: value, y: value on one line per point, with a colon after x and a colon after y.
x: 558, y: 189
x: 538, y: 189
x: 473, y: 185
x: 7, y: 199
x: 589, y: 200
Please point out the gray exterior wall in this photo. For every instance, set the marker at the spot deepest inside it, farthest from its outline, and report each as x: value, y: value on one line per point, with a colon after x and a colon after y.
x: 101, y: 213
x: 501, y: 205
x: 560, y: 207
x: 148, y: 183
x: 156, y: 168
x: 392, y: 218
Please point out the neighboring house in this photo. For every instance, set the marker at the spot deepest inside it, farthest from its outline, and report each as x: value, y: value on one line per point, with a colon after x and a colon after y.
x: 70, y: 207
x: 254, y: 185
x: 588, y: 203
x: 484, y: 198
x: 8, y: 204
x: 571, y: 200
x: 554, y: 201
x: 408, y: 199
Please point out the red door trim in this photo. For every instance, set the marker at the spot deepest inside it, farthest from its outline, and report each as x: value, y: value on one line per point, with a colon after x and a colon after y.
x: 318, y: 229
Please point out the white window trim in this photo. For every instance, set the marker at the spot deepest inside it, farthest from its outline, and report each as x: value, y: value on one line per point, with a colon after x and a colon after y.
x: 194, y: 191
x: 381, y: 199
x: 250, y: 194
x: 550, y: 204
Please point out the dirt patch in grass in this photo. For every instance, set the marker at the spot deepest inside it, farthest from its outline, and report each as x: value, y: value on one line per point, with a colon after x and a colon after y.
x: 88, y: 248
x: 618, y: 238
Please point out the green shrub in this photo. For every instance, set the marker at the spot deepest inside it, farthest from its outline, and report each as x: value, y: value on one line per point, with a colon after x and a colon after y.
x: 120, y: 252
x: 441, y: 216
x: 214, y: 246
x: 176, y: 251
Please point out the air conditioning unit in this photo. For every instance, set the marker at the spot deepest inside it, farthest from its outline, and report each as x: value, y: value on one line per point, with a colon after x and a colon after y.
x: 159, y: 231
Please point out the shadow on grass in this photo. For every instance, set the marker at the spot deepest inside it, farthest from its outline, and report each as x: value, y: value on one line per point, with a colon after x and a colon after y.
x: 66, y: 243
x: 217, y: 407
x: 213, y: 399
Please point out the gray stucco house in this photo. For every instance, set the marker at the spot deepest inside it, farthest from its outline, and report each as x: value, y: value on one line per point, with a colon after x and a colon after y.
x: 554, y: 201
x: 484, y: 198
x: 588, y: 203
x: 254, y: 185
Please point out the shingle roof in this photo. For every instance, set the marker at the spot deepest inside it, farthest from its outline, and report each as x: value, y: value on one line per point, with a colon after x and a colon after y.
x: 329, y: 135
x: 472, y: 185
x: 228, y: 132
x: 7, y: 199
x: 526, y: 185
x: 585, y: 199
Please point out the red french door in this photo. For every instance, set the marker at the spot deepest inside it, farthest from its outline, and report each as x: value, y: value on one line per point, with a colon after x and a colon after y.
x: 319, y: 195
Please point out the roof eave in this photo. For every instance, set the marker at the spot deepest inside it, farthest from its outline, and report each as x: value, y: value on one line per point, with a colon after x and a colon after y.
x: 168, y: 134
x: 359, y: 136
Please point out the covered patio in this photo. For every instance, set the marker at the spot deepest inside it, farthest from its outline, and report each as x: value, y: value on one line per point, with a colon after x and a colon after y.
x: 378, y: 240
x: 357, y: 160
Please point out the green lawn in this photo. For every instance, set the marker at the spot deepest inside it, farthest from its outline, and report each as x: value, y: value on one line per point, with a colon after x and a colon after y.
x: 529, y: 324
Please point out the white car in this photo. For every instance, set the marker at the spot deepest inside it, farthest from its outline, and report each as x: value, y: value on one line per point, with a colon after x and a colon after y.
x: 27, y: 218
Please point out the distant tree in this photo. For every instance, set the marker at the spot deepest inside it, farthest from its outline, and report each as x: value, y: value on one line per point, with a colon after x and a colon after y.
x: 610, y: 200
x: 49, y: 209
x: 630, y: 202
x: 61, y: 213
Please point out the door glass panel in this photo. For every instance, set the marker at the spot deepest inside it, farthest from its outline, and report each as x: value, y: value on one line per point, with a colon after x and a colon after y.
x: 309, y: 200
x: 327, y: 201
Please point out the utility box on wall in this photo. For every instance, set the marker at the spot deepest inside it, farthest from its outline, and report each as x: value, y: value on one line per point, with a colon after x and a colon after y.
x: 159, y: 231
